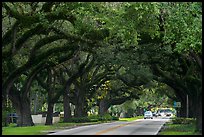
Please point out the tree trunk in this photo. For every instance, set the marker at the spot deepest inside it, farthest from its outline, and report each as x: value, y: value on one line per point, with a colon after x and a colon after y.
x: 22, y: 106
x: 67, y: 109
x: 199, y: 116
x: 103, y: 107
x: 80, y: 102
x: 49, y: 117
x: 35, y: 104
x: 183, y: 107
x: 197, y: 105
x: 79, y: 107
x: 190, y: 107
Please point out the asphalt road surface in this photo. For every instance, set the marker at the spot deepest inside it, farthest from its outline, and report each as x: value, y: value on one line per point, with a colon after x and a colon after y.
x: 137, y: 127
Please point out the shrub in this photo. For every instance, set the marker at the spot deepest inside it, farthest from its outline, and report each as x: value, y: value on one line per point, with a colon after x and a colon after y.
x: 92, y: 118
x: 106, y: 117
x: 115, y: 118
x: 79, y: 120
x: 182, y: 120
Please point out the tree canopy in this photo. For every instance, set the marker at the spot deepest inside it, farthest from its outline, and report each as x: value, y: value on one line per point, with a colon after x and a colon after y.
x: 94, y: 53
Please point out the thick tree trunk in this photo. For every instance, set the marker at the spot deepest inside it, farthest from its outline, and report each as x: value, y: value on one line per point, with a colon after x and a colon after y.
x: 80, y: 102
x: 199, y: 116
x: 183, y: 107
x: 35, y: 104
x: 197, y: 104
x: 103, y: 107
x: 49, y: 117
x: 192, y: 108
x: 22, y: 106
x: 79, y: 107
x: 67, y: 109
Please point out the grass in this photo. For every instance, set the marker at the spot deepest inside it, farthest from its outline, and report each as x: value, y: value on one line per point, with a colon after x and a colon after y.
x: 34, y: 130
x: 131, y: 119
x: 178, y: 129
x: 44, y: 129
x: 40, y: 129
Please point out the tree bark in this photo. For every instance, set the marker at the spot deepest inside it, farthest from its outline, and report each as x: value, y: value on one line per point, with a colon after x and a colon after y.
x: 49, y: 117
x: 22, y: 106
x: 103, y: 107
x: 80, y: 99
x: 66, y: 105
x: 199, y: 116
x: 79, y: 107
x: 21, y: 100
x: 197, y: 105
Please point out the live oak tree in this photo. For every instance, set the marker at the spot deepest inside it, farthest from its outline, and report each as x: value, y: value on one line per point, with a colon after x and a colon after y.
x: 175, y: 59
x: 31, y: 20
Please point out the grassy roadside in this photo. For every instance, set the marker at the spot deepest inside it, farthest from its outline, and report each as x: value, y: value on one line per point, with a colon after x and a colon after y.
x: 131, y: 119
x: 178, y: 129
x: 45, y: 129
x: 41, y: 129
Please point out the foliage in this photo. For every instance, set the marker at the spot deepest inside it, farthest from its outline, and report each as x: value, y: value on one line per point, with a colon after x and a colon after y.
x: 183, y: 26
x: 181, y: 120
x: 152, y: 96
x: 93, y: 118
x: 178, y: 129
x: 79, y: 120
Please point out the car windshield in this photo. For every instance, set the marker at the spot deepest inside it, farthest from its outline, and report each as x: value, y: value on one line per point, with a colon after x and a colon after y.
x: 147, y: 112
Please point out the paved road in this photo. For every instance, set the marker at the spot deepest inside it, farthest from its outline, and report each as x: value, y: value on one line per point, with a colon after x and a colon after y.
x: 138, y: 127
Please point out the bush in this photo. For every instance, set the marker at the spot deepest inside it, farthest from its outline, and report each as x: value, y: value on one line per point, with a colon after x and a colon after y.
x: 182, y: 120
x: 79, y: 120
x: 92, y: 118
x: 115, y: 118
x: 106, y: 117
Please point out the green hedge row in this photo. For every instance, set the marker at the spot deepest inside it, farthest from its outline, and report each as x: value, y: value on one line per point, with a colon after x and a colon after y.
x: 182, y: 120
x: 93, y: 118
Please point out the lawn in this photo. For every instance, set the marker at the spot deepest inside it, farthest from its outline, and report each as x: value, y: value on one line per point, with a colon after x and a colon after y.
x: 178, y: 129
x: 131, y: 119
x: 40, y: 129
x: 34, y: 130
x: 44, y: 129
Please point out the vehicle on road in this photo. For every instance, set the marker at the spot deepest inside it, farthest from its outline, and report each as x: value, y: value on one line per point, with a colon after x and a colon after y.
x: 165, y: 112
x: 155, y: 114
x: 169, y: 113
x: 148, y: 114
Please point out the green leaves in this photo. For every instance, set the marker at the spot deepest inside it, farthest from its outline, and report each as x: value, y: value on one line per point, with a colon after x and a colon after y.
x: 183, y: 26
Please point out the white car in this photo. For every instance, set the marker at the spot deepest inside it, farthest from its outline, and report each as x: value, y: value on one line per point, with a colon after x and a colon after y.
x: 148, y: 114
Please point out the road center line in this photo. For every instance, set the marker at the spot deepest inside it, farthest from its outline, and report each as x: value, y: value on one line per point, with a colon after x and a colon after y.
x: 113, y: 128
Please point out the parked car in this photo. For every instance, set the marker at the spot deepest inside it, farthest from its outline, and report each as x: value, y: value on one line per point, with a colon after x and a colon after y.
x: 148, y: 114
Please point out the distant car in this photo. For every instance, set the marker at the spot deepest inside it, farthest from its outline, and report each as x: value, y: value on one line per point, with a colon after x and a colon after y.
x: 169, y: 113
x: 161, y: 113
x: 148, y: 114
x: 165, y: 112
x: 155, y: 114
